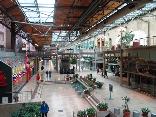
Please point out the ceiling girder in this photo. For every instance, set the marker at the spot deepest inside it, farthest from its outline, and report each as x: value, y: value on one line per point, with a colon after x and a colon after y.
x: 11, y: 8
x: 7, y: 22
x: 91, y: 8
x: 122, y: 12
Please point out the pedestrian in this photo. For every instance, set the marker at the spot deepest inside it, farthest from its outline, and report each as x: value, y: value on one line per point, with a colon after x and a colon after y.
x: 16, y: 98
x: 73, y: 69
x: 105, y: 73
x: 42, y: 68
x: 37, y: 78
x: 44, y: 109
x: 47, y: 73
x: 102, y: 72
x: 97, y: 70
x: 82, y: 68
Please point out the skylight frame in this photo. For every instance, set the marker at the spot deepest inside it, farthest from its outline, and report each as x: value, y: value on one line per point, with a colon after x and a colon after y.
x: 44, y: 12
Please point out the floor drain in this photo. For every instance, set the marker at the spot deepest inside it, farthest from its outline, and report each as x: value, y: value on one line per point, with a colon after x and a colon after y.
x: 60, y: 110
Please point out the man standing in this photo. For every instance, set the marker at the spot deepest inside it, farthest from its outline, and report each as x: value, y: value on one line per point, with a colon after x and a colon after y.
x: 49, y: 74
x: 44, y: 109
x: 105, y: 75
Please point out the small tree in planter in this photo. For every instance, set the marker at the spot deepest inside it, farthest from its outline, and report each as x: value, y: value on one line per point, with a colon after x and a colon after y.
x: 99, y: 84
x: 86, y: 91
x: 102, y: 106
x: 91, y: 112
x: 81, y: 113
x: 145, y: 111
x: 126, y: 111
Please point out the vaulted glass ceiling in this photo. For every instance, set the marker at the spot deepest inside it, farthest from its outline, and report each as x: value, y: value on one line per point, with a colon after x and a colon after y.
x: 38, y: 11
x: 130, y: 16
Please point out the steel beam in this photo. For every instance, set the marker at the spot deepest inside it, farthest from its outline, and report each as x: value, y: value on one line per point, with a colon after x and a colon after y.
x: 11, y: 8
x: 91, y: 8
x: 122, y: 12
x: 58, y: 7
x: 13, y: 36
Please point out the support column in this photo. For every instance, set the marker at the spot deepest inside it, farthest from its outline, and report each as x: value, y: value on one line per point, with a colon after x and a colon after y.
x: 149, y: 38
x: 13, y: 36
x: 79, y: 62
x: 104, y: 62
x: 95, y: 64
x: 57, y: 62
x: 121, y: 51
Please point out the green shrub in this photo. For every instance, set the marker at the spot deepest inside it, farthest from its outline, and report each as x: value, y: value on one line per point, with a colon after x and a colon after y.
x: 90, y: 111
x: 28, y: 110
x: 81, y: 113
x: 145, y: 110
x: 99, y: 84
x: 102, y: 106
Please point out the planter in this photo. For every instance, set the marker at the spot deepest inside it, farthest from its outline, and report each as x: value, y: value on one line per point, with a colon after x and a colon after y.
x: 102, y: 109
x: 126, y: 114
x: 145, y: 114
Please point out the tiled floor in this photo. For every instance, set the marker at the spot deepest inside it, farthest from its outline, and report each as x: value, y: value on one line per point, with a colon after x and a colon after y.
x: 26, y: 93
x: 137, y: 100
x: 63, y: 100
x: 61, y: 97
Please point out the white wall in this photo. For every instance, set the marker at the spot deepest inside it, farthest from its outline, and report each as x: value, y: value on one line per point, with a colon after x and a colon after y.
x: 137, y: 26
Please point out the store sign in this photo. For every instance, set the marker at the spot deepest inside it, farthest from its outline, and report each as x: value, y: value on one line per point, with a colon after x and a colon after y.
x: 46, y: 58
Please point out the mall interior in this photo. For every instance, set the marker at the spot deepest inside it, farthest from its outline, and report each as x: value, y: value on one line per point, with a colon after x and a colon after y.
x: 84, y: 58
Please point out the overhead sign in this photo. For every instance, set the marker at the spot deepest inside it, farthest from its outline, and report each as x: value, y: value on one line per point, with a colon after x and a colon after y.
x: 47, y: 58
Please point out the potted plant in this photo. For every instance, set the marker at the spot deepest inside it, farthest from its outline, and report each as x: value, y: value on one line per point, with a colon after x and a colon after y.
x: 94, y: 80
x: 102, y: 106
x: 81, y: 113
x: 126, y: 111
x: 91, y: 112
x: 145, y: 111
x: 99, y: 84
x: 86, y: 91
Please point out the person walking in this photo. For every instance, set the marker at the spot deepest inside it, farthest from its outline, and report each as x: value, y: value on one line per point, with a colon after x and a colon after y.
x: 105, y: 73
x: 49, y: 74
x: 97, y: 70
x: 44, y: 109
x: 37, y: 78
x: 102, y: 72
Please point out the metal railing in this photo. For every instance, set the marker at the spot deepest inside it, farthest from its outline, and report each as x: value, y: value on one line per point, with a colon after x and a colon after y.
x: 6, y: 50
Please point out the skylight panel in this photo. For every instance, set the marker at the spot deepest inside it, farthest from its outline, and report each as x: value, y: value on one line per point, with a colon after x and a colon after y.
x: 39, y: 10
x: 32, y: 14
x: 26, y: 1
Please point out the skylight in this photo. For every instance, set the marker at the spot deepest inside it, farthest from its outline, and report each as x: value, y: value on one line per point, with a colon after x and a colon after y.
x: 148, y: 7
x: 38, y: 11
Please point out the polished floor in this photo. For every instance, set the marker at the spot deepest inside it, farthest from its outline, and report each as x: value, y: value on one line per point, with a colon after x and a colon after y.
x: 137, y: 100
x: 63, y: 100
